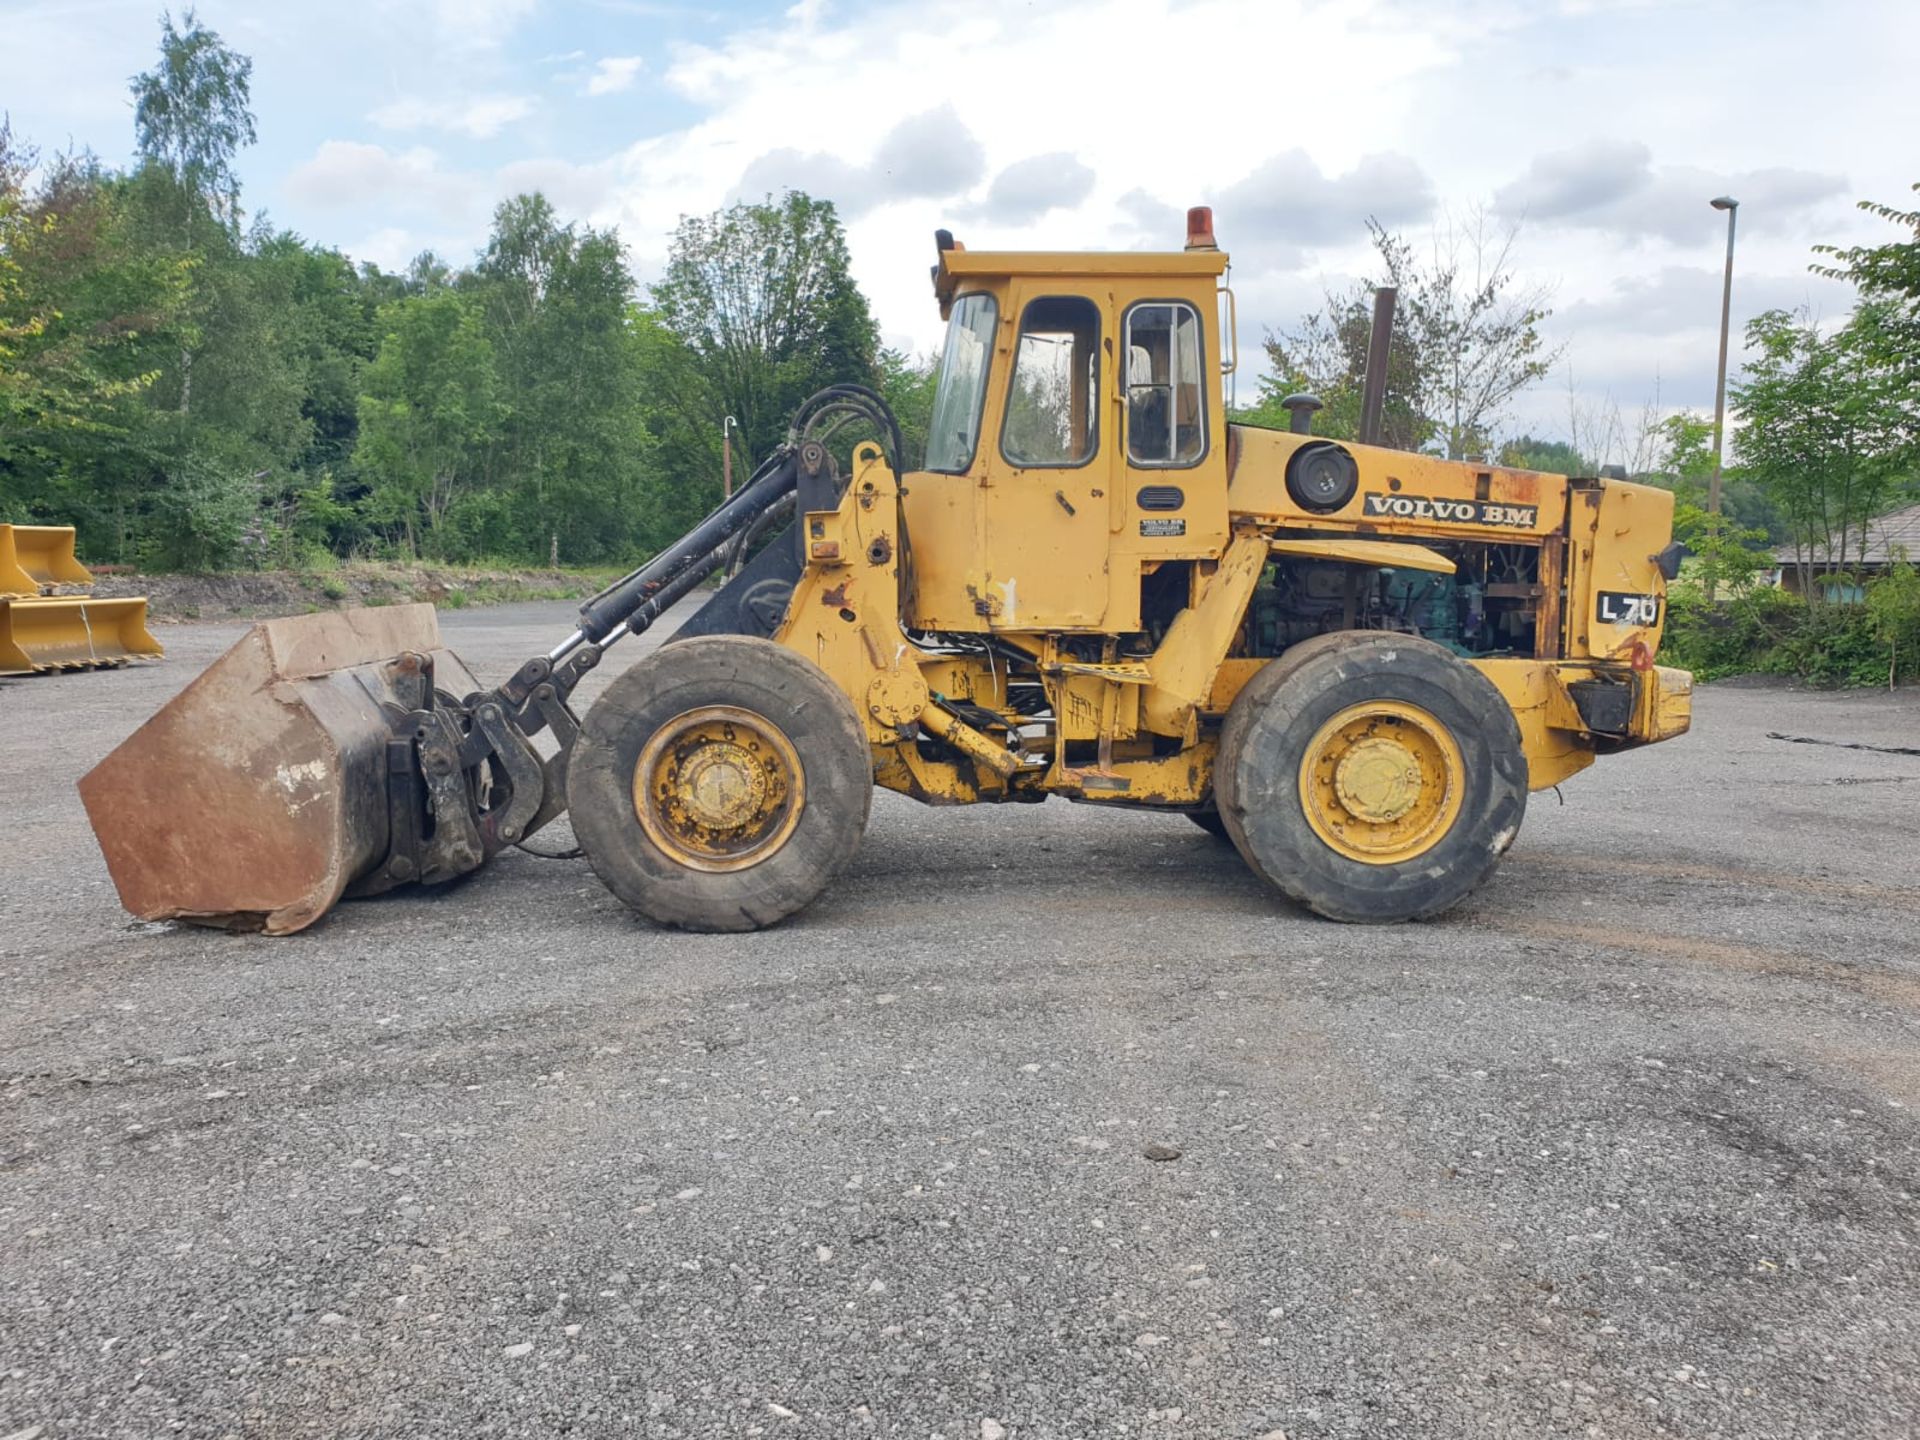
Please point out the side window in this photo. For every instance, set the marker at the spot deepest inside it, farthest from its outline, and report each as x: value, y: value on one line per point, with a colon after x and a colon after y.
x: 954, y: 429
x: 1053, y: 405
x: 1166, y: 392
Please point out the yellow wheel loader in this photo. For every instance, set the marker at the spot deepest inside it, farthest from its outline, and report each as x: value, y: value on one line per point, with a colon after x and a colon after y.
x: 1352, y: 663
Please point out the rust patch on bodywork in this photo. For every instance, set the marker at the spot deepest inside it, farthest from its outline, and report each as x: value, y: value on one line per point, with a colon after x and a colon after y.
x: 1516, y: 485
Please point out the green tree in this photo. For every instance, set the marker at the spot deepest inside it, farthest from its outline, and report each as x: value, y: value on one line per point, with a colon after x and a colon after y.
x: 234, y: 381
x: 1555, y: 457
x: 907, y: 383
x: 430, y: 414
x: 192, y: 116
x: 1893, y: 609
x: 762, y: 298
x: 1477, y: 329
x: 85, y: 314
x: 1885, y: 329
x: 574, y: 448
x: 1887, y: 274
x: 1733, y: 552
x: 1822, y: 421
x: 1327, y: 357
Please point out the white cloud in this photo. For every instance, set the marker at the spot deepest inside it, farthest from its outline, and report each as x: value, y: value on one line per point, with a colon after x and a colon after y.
x: 347, y: 174
x: 391, y: 248
x: 1614, y: 186
x: 1028, y: 189
x: 929, y: 156
x: 614, y: 73
x: 481, y: 116
x: 1287, y: 206
x: 1180, y: 119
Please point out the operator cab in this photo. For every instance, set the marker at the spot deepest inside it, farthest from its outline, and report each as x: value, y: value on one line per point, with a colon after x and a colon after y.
x: 1075, y: 449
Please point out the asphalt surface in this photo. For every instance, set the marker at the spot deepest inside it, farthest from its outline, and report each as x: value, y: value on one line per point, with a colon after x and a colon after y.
x: 1626, y: 1146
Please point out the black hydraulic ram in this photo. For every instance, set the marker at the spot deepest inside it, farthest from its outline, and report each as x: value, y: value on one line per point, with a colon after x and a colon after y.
x: 643, y: 596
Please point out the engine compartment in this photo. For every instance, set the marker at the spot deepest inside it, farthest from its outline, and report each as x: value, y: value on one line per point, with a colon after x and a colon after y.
x: 1487, y: 607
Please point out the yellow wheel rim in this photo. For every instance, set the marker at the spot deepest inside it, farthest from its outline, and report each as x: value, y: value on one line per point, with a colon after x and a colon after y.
x: 719, y: 788
x: 1382, y: 782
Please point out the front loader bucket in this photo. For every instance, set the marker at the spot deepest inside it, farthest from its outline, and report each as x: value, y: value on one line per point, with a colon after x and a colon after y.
x: 62, y: 632
x: 36, y: 557
x: 259, y: 793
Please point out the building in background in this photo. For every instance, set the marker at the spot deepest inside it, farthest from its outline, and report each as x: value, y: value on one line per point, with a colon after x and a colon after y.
x: 1887, y: 540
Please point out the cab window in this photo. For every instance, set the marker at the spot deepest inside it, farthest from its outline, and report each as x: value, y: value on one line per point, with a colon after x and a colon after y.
x: 1166, y: 391
x: 1053, y: 403
x: 953, y: 433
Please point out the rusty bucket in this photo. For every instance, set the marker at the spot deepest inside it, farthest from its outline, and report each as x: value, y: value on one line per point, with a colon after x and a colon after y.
x: 259, y: 794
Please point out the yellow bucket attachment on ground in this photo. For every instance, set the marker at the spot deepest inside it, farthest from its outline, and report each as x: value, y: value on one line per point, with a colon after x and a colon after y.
x: 73, y: 632
x: 260, y: 792
x: 37, y: 557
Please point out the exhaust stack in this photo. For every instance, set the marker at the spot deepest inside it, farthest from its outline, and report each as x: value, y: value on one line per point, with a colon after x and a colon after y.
x: 1373, y: 394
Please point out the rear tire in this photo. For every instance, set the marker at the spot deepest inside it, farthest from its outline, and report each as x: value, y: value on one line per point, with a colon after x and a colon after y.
x: 1371, y: 778
x: 720, y: 783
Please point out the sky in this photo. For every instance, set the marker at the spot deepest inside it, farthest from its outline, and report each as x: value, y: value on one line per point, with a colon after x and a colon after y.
x: 1601, y: 128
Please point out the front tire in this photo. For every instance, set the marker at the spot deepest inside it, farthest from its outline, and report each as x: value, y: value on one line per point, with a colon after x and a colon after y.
x: 720, y: 783
x: 1371, y: 778
x: 1210, y: 821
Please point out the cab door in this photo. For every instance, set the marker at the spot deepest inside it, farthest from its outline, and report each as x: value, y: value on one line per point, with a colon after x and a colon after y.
x: 1047, y: 476
x: 1175, y: 465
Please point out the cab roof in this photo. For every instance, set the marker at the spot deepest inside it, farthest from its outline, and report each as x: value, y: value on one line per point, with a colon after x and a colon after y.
x: 959, y: 265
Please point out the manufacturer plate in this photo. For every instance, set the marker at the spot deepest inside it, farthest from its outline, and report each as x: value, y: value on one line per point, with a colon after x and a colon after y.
x: 1163, y: 527
x: 1379, y: 504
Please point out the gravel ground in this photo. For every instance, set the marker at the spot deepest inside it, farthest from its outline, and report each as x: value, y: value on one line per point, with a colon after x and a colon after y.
x: 1624, y: 1147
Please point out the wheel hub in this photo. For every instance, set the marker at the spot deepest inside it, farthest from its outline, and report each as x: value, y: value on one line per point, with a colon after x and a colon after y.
x: 1377, y: 780
x: 1382, y: 782
x: 718, y: 788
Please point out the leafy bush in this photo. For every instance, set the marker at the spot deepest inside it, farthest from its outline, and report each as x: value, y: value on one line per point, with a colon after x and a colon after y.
x: 1893, y: 606
x: 1835, y: 645
x: 1730, y: 637
x: 202, y: 517
x: 1766, y: 631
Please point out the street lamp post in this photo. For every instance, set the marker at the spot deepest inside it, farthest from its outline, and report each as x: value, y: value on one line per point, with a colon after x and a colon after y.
x: 729, y: 425
x: 1731, y: 206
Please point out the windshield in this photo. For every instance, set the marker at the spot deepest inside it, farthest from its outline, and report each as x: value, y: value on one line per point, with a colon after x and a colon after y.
x: 955, y: 428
